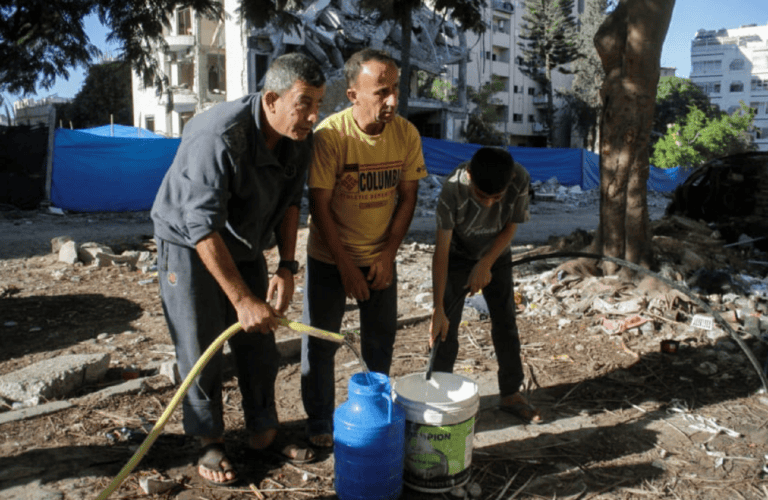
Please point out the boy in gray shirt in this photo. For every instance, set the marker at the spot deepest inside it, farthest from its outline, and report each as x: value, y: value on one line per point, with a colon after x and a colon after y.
x: 480, y: 205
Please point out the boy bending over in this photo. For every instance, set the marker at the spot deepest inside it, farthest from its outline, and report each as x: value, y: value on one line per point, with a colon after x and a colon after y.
x: 480, y: 205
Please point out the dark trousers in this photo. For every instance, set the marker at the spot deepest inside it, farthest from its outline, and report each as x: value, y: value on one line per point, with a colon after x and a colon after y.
x: 499, y: 295
x: 197, y: 312
x: 324, y: 302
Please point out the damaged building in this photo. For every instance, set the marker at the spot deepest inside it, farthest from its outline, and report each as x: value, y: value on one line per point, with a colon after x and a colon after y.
x: 208, y: 62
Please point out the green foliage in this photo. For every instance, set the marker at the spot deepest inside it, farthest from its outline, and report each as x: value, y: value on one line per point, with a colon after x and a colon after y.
x: 674, y: 97
x: 106, y: 91
x: 480, y: 127
x: 435, y: 87
x: 549, y: 33
x: 700, y: 138
x: 583, y: 99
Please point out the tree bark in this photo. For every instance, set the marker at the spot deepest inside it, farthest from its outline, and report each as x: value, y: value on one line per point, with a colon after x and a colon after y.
x: 629, y: 44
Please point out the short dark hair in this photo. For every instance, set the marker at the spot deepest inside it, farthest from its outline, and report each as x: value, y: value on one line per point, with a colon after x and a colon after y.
x: 491, y: 169
x: 356, y: 61
x: 289, y: 68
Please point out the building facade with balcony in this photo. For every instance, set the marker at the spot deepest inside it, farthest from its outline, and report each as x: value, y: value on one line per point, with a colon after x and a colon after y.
x: 522, y: 102
x: 208, y: 62
x: 194, y: 71
x: 731, y: 66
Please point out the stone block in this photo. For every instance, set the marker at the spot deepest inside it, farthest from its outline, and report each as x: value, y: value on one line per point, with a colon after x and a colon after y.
x: 68, y: 253
x: 54, y: 378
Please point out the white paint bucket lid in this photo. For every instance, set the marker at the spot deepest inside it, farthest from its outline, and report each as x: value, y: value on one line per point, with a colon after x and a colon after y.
x: 444, y: 399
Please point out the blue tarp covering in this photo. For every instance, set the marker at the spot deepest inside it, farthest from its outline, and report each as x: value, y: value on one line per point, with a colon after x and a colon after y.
x: 122, y: 131
x: 93, y: 172
x: 570, y: 166
x: 119, y: 169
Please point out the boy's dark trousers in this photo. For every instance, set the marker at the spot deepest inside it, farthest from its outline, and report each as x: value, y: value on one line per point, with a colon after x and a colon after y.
x: 499, y: 295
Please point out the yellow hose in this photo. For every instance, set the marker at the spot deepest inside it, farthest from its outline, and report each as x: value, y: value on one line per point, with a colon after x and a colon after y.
x: 187, y: 383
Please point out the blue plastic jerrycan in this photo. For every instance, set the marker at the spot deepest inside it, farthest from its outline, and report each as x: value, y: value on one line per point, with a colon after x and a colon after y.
x: 369, y: 441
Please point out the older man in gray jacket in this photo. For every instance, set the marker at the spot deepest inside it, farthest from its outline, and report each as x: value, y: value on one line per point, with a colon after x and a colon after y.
x: 235, y: 183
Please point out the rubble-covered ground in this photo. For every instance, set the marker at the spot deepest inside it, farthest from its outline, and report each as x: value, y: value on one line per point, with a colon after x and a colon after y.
x: 687, y: 421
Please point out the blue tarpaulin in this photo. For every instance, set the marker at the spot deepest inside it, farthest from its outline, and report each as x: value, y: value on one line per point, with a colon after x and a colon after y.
x: 94, y: 171
x: 571, y: 167
x: 115, y: 168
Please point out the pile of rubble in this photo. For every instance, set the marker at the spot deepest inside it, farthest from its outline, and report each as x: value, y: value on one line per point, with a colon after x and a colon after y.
x: 331, y: 30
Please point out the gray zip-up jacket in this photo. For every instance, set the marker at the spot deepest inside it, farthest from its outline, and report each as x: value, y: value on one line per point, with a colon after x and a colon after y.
x: 225, y: 179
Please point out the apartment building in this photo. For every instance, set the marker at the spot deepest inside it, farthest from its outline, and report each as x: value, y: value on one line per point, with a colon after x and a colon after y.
x: 731, y: 66
x: 211, y: 62
x: 194, y: 69
x: 36, y: 112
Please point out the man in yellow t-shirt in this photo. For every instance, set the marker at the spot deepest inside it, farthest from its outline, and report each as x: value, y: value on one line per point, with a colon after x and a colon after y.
x: 363, y: 181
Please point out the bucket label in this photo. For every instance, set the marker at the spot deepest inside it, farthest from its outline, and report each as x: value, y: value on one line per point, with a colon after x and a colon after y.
x: 438, y: 455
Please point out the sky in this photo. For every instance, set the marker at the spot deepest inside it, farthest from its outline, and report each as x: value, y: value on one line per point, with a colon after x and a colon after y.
x: 688, y: 17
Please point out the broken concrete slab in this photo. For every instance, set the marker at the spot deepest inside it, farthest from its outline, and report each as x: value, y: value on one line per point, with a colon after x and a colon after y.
x: 54, y: 378
x: 35, y: 411
x: 68, y: 253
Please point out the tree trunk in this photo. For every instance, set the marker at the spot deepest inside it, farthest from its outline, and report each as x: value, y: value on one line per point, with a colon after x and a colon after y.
x: 462, y: 90
x: 550, y: 104
x: 406, y: 22
x: 629, y: 44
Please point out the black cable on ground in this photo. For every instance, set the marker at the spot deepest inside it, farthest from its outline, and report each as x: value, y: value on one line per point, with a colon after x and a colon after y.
x: 719, y: 319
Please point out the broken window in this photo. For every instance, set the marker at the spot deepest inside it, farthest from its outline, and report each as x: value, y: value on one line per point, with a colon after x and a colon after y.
x: 517, y: 118
x: 217, y: 74
x: 184, y: 21
x: 187, y: 75
x: 737, y: 86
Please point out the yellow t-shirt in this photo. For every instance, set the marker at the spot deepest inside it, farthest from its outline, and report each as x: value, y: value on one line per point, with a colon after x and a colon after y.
x: 363, y: 171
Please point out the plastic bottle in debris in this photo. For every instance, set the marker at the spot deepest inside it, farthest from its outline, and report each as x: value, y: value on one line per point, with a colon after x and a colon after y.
x: 369, y: 441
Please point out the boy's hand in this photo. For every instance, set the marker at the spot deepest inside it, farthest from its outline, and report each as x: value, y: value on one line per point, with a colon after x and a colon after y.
x: 438, y: 326
x: 478, y: 278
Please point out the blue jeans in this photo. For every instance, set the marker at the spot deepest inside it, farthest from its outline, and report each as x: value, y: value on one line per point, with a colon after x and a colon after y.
x: 197, y: 312
x: 499, y: 295
x: 324, y: 302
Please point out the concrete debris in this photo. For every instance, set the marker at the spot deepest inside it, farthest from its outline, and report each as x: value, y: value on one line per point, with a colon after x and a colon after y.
x: 68, y: 253
x: 99, y: 255
x: 331, y: 30
x: 155, y: 485
x: 54, y: 378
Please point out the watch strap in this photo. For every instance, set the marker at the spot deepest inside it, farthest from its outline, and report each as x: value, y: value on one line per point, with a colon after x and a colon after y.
x: 291, y: 265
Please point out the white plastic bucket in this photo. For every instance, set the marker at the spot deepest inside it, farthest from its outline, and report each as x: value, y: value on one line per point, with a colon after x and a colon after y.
x: 439, y: 429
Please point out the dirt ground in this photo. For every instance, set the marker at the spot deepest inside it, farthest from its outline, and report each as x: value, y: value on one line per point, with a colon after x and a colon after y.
x: 631, y: 393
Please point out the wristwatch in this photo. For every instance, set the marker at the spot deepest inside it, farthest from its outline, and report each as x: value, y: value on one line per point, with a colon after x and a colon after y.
x: 291, y: 265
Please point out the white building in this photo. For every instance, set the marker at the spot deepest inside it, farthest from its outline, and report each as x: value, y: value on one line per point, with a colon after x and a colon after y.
x: 36, y: 112
x: 523, y: 102
x: 195, y: 71
x: 731, y: 66
x: 210, y: 62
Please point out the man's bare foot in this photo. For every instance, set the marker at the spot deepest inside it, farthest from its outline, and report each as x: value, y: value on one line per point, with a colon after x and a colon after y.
x: 268, y: 441
x: 213, y: 465
x: 322, y: 441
